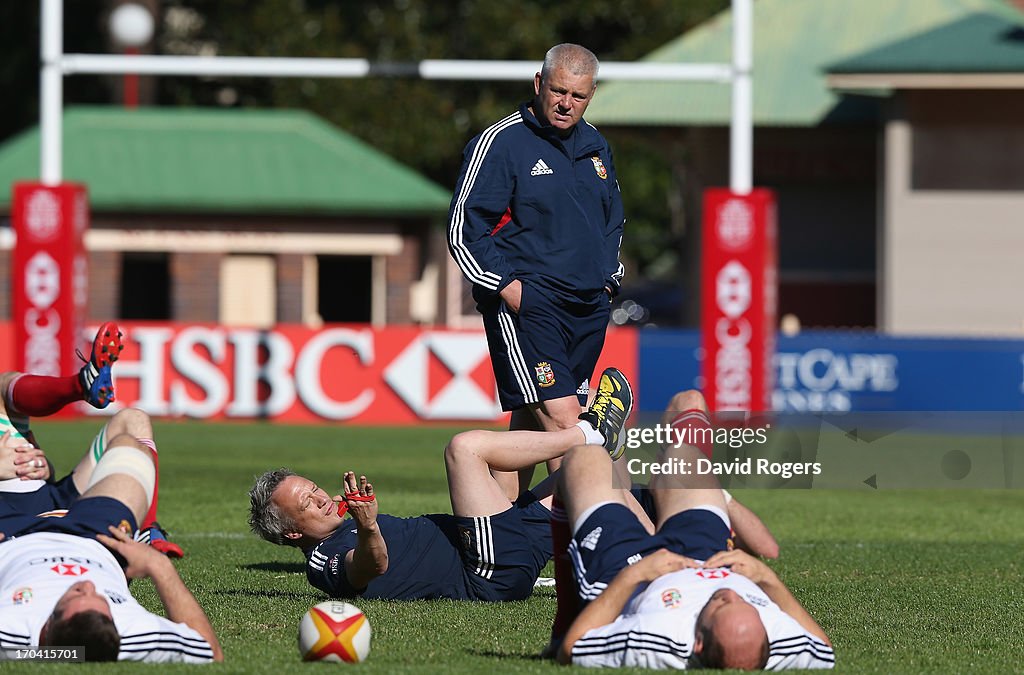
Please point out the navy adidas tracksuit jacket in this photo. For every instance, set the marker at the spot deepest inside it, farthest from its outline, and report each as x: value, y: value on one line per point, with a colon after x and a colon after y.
x: 531, y: 206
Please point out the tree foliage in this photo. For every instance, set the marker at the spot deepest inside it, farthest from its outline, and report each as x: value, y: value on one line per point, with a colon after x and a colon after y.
x: 424, y: 124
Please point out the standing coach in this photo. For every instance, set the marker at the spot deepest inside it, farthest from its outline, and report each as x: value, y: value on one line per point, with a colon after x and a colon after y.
x: 535, y: 225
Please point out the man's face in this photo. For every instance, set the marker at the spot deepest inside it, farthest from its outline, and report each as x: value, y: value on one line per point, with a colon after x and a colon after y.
x: 562, y: 98
x: 81, y: 597
x: 736, y: 625
x: 313, y: 512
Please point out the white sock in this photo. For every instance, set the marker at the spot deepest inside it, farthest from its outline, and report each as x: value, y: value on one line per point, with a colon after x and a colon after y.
x: 591, y: 435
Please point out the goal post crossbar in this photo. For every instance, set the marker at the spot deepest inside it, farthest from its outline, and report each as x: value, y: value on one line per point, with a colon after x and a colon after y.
x: 56, y: 65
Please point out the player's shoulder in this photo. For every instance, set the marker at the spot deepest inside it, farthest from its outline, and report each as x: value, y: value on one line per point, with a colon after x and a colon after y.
x: 153, y: 638
x: 592, y: 137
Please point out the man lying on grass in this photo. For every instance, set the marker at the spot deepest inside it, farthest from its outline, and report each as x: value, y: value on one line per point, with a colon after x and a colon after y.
x: 680, y: 597
x: 488, y: 549
x: 64, y: 578
x: 27, y: 479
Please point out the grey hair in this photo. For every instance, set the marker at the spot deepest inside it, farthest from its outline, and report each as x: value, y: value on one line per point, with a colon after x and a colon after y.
x: 265, y: 518
x: 575, y: 58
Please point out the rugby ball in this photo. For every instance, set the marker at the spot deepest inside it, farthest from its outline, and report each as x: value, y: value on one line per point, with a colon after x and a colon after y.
x: 334, y: 631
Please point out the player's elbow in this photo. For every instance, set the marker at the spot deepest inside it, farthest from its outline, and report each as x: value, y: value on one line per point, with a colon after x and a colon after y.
x: 564, y: 655
x: 381, y: 565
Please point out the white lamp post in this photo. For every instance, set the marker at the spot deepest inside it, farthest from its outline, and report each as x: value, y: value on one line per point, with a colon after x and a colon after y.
x: 131, y: 26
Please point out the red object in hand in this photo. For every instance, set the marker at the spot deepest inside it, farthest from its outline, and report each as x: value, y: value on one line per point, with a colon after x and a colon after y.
x: 354, y: 497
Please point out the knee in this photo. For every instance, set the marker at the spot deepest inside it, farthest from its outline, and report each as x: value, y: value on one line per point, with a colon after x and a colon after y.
x: 566, y: 421
x: 126, y: 440
x: 581, y: 456
x: 460, y: 446
x: 687, y: 400
x: 6, y: 379
x: 132, y: 421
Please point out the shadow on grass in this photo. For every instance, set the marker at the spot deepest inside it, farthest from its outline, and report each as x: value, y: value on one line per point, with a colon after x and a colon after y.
x: 258, y: 593
x: 493, y: 654
x: 291, y: 568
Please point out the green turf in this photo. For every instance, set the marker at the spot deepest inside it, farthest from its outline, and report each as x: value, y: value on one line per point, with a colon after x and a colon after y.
x: 903, y: 582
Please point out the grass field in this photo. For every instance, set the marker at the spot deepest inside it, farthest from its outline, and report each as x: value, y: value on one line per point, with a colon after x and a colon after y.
x: 903, y: 582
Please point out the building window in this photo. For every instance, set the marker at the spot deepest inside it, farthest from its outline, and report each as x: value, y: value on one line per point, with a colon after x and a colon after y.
x: 146, y: 286
x: 345, y: 288
x: 978, y: 158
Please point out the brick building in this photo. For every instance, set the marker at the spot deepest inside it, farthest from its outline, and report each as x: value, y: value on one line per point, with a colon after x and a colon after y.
x: 242, y: 217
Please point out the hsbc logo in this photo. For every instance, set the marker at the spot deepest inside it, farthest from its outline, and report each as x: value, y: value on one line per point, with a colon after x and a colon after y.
x: 42, y: 280
x: 735, y: 224
x: 42, y: 215
x: 733, y: 289
x: 461, y: 397
x: 385, y: 375
x: 42, y: 321
x: 713, y: 574
x: 69, y: 569
x: 733, y: 358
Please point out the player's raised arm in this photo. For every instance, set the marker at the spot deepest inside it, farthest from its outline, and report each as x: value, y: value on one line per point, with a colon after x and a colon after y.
x: 179, y: 603
x: 603, y: 610
x: 752, y: 535
x: 369, y: 559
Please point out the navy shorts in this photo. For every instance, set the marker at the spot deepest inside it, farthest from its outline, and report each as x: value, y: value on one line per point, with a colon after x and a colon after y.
x: 546, y: 351
x: 612, y: 538
x: 86, y: 518
x: 59, y: 495
x: 504, y: 554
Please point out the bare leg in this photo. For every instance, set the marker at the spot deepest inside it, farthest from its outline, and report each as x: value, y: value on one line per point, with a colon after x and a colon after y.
x: 130, y: 421
x: 674, y: 493
x: 471, y: 455
x: 554, y: 415
x: 586, y: 480
x: 125, y: 473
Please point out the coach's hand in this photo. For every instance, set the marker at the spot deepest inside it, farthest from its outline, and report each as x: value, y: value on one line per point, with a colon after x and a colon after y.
x: 143, y: 560
x: 513, y: 295
x: 362, y: 503
x: 743, y: 563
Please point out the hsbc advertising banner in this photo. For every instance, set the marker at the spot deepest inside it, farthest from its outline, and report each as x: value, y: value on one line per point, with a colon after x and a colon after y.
x: 396, y: 375
x: 49, y: 276
x: 738, y: 299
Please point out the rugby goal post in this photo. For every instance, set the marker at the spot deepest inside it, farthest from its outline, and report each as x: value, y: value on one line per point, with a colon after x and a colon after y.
x: 55, y: 65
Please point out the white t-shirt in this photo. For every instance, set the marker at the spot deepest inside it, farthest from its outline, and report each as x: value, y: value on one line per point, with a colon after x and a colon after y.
x: 36, y: 570
x: 656, y: 627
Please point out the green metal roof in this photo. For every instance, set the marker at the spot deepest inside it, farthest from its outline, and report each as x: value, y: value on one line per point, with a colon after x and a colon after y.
x: 979, y: 43
x: 223, y: 160
x: 794, y: 42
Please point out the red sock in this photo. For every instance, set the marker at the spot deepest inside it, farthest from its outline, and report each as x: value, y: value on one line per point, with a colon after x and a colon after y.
x: 566, y: 597
x: 42, y: 395
x: 698, y: 430
x: 151, y: 515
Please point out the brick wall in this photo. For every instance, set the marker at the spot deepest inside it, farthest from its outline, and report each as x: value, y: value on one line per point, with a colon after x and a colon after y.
x: 104, y: 286
x: 195, y: 282
x: 289, y: 288
x: 402, y: 270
